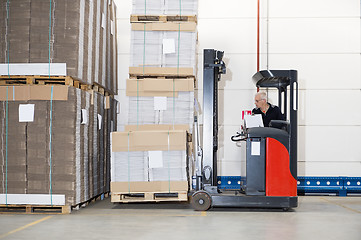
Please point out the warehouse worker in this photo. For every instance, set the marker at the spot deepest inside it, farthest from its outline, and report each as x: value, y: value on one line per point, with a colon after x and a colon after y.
x: 268, y: 111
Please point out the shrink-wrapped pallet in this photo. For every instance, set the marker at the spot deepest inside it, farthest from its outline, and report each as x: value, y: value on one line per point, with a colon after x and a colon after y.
x: 80, y: 34
x: 59, y: 147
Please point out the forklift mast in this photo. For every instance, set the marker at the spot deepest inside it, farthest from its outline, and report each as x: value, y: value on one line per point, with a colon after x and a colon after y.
x: 213, y: 67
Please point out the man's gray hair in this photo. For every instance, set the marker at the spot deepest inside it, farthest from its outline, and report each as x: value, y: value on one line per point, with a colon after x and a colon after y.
x: 262, y: 95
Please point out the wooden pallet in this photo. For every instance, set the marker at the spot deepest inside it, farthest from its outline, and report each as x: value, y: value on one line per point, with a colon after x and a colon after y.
x: 188, y: 78
x: 47, y: 209
x: 149, y: 197
x: 41, y: 80
x: 34, y: 209
x: 162, y: 18
x: 53, y: 80
x: 169, y: 72
x: 134, y: 77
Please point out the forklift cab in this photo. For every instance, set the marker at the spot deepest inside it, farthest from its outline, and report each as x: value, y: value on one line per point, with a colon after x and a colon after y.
x: 271, y: 153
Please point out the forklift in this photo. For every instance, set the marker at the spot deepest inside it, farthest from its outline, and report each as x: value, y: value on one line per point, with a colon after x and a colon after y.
x: 271, y: 152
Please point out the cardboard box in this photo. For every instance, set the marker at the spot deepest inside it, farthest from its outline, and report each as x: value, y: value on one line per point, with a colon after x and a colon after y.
x: 78, y: 37
x: 141, y: 187
x: 165, y: 26
x: 78, y: 150
x: 161, y: 140
x: 161, y: 71
x: 155, y: 127
x: 150, y: 87
x: 175, y: 110
x: 33, y: 92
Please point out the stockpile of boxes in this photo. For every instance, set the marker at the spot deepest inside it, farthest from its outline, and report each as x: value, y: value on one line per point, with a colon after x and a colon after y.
x: 55, y: 138
x: 151, y: 155
x: 82, y: 37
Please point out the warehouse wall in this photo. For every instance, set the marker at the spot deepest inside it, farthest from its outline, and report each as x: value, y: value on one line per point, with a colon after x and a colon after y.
x: 319, y: 38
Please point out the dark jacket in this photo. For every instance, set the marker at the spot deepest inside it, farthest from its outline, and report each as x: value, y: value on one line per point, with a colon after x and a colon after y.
x: 273, y: 113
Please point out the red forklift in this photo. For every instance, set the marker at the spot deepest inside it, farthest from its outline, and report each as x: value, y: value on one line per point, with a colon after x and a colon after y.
x: 271, y: 152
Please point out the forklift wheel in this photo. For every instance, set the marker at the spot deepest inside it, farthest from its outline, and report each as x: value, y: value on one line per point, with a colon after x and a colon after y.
x: 201, y: 201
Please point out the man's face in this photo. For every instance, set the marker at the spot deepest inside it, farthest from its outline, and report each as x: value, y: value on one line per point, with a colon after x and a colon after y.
x: 258, y: 102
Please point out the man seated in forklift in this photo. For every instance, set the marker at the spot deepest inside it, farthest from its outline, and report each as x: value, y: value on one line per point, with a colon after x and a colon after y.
x: 268, y: 111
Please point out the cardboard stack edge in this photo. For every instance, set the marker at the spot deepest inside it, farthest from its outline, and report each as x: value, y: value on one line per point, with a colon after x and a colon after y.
x: 54, y: 144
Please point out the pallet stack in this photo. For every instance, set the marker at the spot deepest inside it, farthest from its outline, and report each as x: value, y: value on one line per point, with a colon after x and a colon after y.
x: 150, y: 157
x: 56, y: 101
x: 82, y: 40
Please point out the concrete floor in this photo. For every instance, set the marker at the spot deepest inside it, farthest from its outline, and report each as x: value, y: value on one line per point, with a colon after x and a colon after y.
x: 317, y: 217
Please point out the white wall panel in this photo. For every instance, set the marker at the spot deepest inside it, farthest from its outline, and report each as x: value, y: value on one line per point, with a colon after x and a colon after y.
x: 312, y: 8
x: 327, y: 169
x: 231, y: 104
x: 240, y: 69
x: 321, y: 71
x: 329, y: 107
x: 123, y: 70
x: 329, y: 144
x: 227, y: 9
x: 123, y: 35
x: 231, y: 168
x: 228, y: 150
x: 124, y: 8
x: 123, y: 110
x: 316, y: 35
x: 229, y: 35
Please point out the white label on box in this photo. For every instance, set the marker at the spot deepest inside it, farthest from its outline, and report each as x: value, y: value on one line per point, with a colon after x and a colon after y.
x: 160, y: 103
x: 168, y: 45
x: 84, y: 116
x: 105, y: 102
x: 26, y: 112
x: 100, y: 121
x: 256, y: 148
x: 119, y: 107
x: 155, y: 159
x: 112, y: 27
x: 103, y: 21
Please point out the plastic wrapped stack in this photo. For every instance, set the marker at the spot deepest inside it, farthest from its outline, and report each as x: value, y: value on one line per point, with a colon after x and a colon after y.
x: 168, y: 7
x: 151, y: 156
x: 59, y: 146
x: 58, y: 71
x: 82, y: 37
x: 163, y: 49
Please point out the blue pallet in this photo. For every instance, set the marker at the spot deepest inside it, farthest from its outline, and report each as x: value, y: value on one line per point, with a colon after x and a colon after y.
x: 339, y: 185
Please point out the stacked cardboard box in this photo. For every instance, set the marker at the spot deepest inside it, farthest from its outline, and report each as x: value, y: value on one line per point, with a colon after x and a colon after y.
x: 16, y: 169
x: 169, y: 7
x: 82, y: 35
x: 151, y: 155
x: 62, y: 151
x: 177, y: 106
x: 166, y: 51
x: 148, y: 156
x: 163, y: 49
